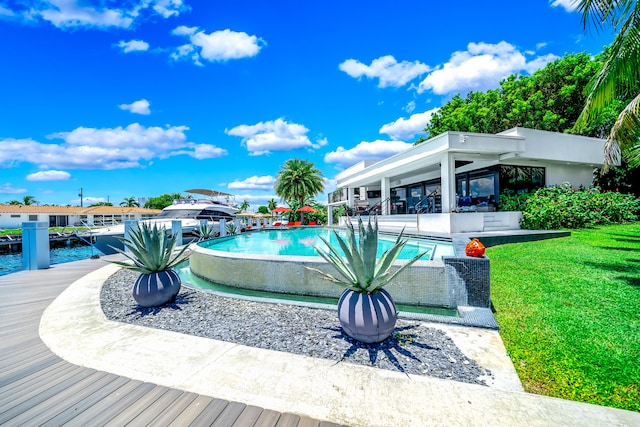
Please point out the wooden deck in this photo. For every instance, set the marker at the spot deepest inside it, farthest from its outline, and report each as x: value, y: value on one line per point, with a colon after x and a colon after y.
x: 39, y: 388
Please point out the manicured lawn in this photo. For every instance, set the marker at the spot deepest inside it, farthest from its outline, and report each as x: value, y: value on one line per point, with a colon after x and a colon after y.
x: 569, y: 314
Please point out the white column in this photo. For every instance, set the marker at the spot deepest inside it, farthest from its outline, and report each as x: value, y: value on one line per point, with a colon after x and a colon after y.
x: 350, y: 197
x: 223, y: 228
x: 35, y: 245
x: 385, y: 193
x: 448, y: 180
x: 329, y: 215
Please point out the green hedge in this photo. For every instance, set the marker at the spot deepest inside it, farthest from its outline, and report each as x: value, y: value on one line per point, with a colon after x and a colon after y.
x: 564, y: 207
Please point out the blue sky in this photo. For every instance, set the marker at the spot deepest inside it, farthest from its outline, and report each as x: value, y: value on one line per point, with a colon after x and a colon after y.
x: 145, y: 97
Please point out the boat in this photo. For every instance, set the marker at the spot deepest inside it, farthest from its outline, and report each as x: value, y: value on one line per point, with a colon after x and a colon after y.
x: 190, y: 212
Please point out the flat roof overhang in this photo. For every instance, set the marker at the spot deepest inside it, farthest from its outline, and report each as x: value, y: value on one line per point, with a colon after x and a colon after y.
x: 426, y: 157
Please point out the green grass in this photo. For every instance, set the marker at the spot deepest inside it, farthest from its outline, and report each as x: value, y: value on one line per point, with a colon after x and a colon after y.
x: 569, y: 314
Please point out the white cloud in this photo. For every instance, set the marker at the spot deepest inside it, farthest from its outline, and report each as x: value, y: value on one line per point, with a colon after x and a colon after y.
x: 105, y: 148
x: 50, y: 175
x: 408, y: 128
x: 7, y: 13
x: 207, y: 151
x: 410, y: 107
x: 133, y: 46
x: 263, y: 183
x: 216, y: 46
x: 480, y: 67
x: 389, y: 71
x: 277, y: 135
x: 138, y: 107
x: 568, y: 5
x: 78, y: 14
x: 7, y: 188
x: 376, y: 150
x: 169, y: 8
x: 540, y: 62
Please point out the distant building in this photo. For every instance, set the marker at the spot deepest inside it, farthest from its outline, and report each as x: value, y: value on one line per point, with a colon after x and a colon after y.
x: 428, y: 186
x: 12, y: 216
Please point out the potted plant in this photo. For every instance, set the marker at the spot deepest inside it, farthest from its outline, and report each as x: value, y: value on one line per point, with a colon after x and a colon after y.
x: 205, y: 231
x: 152, y: 254
x: 366, y: 311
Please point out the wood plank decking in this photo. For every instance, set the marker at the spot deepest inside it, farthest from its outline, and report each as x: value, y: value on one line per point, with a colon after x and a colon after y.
x: 39, y: 388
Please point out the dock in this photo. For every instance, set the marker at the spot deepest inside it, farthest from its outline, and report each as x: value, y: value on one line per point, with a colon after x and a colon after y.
x: 39, y: 388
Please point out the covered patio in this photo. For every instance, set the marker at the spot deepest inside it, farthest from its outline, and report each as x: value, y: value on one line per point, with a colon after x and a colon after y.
x: 427, y: 186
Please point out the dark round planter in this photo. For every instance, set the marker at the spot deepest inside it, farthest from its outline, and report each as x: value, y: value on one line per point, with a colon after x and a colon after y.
x: 369, y: 318
x: 154, y: 289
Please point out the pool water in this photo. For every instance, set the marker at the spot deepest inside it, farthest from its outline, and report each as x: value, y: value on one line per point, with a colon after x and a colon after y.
x: 302, y: 242
x: 12, y: 262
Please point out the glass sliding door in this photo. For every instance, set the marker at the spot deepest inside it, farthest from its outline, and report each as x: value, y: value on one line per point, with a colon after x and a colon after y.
x: 414, y: 197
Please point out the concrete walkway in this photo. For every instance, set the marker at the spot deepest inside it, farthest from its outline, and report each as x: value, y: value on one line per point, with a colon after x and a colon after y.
x: 75, y: 328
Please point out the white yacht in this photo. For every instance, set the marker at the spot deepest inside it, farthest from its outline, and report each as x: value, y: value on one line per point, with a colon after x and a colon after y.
x: 189, y: 211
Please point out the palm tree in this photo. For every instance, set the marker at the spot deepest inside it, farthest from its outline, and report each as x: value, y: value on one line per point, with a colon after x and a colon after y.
x: 29, y: 200
x: 298, y: 180
x: 619, y: 77
x: 243, y: 206
x: 272, y: 204
x: 130, y: 202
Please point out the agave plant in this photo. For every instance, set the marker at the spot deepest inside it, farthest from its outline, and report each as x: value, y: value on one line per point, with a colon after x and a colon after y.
x: 366, y: 311
x: 152, y: 254
x: 152, y: 250
x: 357, y: 266
x: 205, y: 231
x: 231, y: 228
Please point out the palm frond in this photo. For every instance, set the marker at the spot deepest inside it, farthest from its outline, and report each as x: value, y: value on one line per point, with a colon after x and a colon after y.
x: 624, y: 136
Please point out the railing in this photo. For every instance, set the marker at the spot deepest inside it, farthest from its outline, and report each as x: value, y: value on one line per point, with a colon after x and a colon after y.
x: 376, y: 209
x: 426, y: 204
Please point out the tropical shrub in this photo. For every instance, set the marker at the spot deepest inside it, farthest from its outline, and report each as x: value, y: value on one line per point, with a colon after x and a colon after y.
x: 564, y: 207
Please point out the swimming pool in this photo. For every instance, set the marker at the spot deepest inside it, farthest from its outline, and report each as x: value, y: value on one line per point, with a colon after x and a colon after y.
x: 301, y: 241
x: 265, y: 261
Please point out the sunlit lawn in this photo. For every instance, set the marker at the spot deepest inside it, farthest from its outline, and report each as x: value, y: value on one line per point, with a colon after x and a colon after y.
x: 569, y: 314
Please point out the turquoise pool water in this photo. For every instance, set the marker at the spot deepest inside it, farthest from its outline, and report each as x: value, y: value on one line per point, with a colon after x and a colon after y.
x: 10, y: 263
x: 302, y: 241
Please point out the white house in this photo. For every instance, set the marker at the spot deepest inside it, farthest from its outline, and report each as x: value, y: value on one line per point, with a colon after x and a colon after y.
x: 12, y: 216
x: 452, y: 182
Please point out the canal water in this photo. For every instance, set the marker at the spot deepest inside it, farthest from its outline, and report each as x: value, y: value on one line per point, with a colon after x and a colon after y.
x: 12, y: 262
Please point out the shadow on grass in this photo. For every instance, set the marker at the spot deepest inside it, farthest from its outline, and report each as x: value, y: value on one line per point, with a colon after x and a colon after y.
x: 181, y: 299
x: 629, y: 238
x: 612, y: 248
x: 631, y: 279
x: 397, y: 341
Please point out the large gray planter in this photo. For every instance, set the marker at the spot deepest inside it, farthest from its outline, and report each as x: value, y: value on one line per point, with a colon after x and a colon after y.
x: 154, y: 289
x: 369, y: 318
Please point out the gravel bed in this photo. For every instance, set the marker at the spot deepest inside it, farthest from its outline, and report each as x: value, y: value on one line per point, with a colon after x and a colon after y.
x: 414, y: 348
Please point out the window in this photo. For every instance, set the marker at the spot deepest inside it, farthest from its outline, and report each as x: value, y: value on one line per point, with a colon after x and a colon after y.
x: 33, y: 217
x: 477, y: 187
x: 521, y: 179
